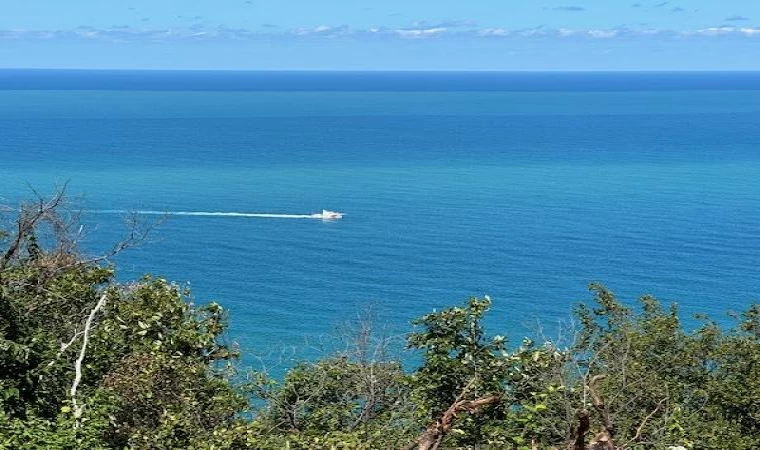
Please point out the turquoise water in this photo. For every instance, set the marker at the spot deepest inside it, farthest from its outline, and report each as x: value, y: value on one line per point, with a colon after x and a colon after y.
x: 525, y: 195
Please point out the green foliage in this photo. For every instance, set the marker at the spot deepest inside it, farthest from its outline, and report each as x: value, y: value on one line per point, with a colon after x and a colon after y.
x: 460, y: 362
x: 664, y: 384
x: 153, y: 373
x: 35, y: 433
x: 457, y: 357
x: 338, y: 402
x: 157, y: 373
x: 333, y: 395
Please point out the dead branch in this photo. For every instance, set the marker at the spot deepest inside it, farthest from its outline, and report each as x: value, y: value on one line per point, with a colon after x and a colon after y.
x: 28, y: 220
x: 138, y: 232
x: 79, y: 409
x: 641, y: 426
x: 579, y: 440
x: 67, y: 231
x: 603, y: 440
x: 431, y: 438
x: 64, y: 347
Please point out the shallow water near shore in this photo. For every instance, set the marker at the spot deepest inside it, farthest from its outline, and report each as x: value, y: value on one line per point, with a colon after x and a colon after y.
x: 525, y: 195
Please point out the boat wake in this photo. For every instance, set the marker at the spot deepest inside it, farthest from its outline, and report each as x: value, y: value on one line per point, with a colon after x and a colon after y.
x: 324, y: 215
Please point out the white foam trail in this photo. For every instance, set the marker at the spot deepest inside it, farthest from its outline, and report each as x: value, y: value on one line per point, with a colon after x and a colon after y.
x: 207, y: 214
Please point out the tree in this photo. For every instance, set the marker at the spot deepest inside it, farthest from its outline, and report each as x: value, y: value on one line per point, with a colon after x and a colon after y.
x: 89, y: 363
x: 650, y: 382
x: 470, y: 384
x: 354, y: 398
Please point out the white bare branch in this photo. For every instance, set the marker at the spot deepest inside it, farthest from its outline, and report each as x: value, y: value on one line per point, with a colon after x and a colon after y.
x: 64, y: 347
x: 79, y: 409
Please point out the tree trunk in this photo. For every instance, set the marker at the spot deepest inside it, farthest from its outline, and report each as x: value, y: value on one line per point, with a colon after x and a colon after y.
x: 578, y: 442
x: 431, y: 438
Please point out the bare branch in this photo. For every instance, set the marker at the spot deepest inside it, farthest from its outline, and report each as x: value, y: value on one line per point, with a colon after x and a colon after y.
x: 603, y: 440
x: 432, y: 437
x: 137, y: 232
x: 79, y: 409
x: 28, y: 219
x: 64, y: 347
x: 579, y: 440
x: 640, y: 428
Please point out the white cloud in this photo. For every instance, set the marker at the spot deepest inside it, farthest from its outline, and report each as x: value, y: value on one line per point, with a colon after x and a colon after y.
x: 750, y: 31
x: 445, y: 24
x: 602, y: 34
x: 713, y: 31
x: 650, y: 32
x: 210, y: 33
x: 421, y: 32
x: 532, y: 32
x: 494, y: 32
x: 319, y: 31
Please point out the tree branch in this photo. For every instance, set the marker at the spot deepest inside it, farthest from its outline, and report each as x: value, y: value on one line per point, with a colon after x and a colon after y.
x: 603, y: 440
x: 579, y: 441
x: 28, y: 220
x: 79, y: 409
x: 64, y: 347
x: 640, y: 428
x: 431, y: 438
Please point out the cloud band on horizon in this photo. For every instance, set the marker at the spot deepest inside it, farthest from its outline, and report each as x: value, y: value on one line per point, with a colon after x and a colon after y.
x: 438, y: 31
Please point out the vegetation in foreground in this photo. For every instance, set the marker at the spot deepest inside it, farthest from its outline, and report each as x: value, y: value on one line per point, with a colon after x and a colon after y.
x: 87, y: 363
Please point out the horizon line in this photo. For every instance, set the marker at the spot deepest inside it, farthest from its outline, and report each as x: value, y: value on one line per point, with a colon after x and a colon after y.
x: 273, y: 70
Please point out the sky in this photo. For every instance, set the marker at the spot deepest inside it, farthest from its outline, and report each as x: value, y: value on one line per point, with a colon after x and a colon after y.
x: 381, y: 35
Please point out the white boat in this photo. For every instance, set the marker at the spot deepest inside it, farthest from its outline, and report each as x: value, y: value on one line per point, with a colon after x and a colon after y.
x: 329, y: 215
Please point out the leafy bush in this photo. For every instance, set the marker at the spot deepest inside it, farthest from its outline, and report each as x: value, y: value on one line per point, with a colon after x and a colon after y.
x: 87, y: 363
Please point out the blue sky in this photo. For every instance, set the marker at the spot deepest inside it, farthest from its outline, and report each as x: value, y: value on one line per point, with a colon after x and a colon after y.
x: 377, y: 35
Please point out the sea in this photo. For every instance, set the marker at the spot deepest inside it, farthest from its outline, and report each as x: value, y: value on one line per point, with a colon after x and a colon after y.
x: 525, y: 187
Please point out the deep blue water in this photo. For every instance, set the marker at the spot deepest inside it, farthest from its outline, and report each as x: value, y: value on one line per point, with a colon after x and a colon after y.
x: 157, y: 80
x: 523, y: 186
